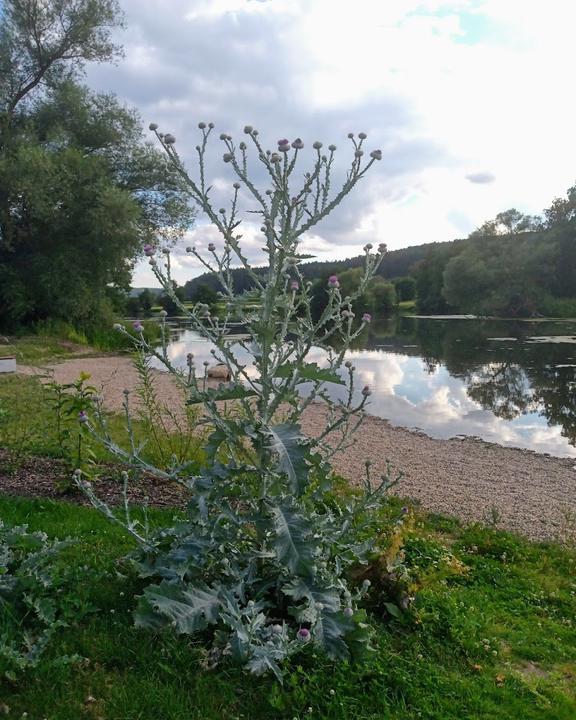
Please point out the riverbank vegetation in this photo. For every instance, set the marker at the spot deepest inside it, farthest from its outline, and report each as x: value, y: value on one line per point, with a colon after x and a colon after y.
x: 490, y: 636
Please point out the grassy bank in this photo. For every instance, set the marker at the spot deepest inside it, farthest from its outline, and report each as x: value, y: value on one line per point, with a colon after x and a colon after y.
x: 496, y: 641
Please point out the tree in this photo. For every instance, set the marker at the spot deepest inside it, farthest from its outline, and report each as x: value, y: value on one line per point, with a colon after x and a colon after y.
x: 509, y: 222
x: 204, y: 294
x: 405, y: 288
x: 80, y: 192
x: 43, y: 42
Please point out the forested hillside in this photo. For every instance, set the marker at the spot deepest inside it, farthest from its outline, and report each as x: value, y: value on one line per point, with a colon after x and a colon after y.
x: 514, y: 265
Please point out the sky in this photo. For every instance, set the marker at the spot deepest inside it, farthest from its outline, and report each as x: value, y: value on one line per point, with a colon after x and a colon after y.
x: 470, y: 102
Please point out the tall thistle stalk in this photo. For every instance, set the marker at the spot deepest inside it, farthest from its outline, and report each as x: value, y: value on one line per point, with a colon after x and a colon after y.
x: 264, y: 553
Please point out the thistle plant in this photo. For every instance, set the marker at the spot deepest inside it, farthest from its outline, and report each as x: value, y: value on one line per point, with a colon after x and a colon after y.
x: 264, y: 554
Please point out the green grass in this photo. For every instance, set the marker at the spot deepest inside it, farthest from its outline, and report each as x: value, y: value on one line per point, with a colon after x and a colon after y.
x: 28, y: 427
x: 407, y: 307
x: 496, y: 642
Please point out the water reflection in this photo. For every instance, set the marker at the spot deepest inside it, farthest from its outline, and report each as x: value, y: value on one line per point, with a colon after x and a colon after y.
x: 508, y: 382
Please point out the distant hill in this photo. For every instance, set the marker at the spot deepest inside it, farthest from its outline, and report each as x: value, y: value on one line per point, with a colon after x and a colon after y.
x: 397, y: 263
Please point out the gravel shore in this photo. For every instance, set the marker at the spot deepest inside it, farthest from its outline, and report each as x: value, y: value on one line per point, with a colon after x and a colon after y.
x: 472, y: 480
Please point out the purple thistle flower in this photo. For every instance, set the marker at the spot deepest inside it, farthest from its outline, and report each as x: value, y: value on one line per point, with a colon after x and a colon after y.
x: 303, y: 635
x: 376, y: 154
x: 298, y: 144
x: 348, y: 612
x: 294, y: 285
x: 382, y: 248
x: 284, y: 141
x: 149, y: 250
x: 153, y: 126
x: 366, y: 318
x: 366, y: 391
x: 137, y: 325
x: 211, y: 247
x: 404, y: 510
x: 82, y: 417
x: 333, y: 281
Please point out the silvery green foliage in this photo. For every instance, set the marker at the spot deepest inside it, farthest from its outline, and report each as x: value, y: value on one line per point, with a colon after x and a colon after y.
x: 262, y: 557
x: 29, y: 612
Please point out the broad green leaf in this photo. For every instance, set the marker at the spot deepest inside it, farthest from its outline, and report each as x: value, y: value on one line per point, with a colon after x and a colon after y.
x: 292, y: 540
x: 226, y: 392
x: 329, y: 632
x: 310, y: 372
x: 286, y: 441
x: 301, y: 588
x: 188, y: 609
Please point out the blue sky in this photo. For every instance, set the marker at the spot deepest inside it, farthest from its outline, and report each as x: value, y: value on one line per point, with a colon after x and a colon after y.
x: 469, y: 100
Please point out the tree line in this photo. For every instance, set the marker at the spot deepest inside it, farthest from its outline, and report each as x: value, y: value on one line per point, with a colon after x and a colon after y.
x: 515, y: 265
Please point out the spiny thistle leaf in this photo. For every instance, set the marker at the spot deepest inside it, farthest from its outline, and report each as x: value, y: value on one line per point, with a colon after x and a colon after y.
x: 310, y: 372
x: 292, y: 539
x: 188, y: 609
x: 286, y: 442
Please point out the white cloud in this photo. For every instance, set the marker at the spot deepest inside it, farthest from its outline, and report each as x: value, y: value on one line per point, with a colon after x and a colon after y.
x: 455, y: 94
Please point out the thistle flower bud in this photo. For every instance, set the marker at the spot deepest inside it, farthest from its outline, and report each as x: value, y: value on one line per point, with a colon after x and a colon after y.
x: 227, y: 157
x: 348, y: 364
x: 303, y: 635
x: 362, y: 136
x: 350, y: 135
x: 210, y: 125
x: 211, y: 247
x: 333, y: 281
x: 169, y: 139
x: 368, y: 247
x: 236, y: 186
x: 332, y: 148
x: 189, y: 249
x: 366, y: 391
x: 118, y: 327
x: 348, y: 612
x: 254, y: 132
x: 376, y: 154
x: 382, y: 248
x: 190, y: 359
x: 222, y: 211
x: 347, y: 314
x: 223, y: 136
x: 153, y: 126
x: 317, y: 145
x: 201, y: 125
x: 298, y: 144
x: 366, y: 584
x: 163, y: 313
x: 359, y: 153
x: 152, y: 261
x: 248, y: 129
x: 242, y: 145
x: 276, y: 629
x: 275, y: 158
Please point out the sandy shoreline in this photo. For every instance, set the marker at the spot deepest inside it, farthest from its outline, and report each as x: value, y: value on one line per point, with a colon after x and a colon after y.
x: 467, y: 478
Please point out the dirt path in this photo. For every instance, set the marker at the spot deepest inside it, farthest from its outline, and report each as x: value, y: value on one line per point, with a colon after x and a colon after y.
x: 473, y: 480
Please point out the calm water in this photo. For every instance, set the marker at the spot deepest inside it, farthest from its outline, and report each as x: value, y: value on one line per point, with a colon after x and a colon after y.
x: 509, y: 382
